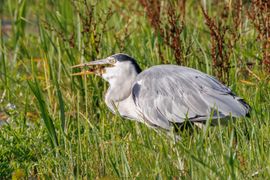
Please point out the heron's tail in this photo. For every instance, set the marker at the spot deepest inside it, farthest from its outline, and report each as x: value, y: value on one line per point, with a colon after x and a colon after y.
x: 246, y: 106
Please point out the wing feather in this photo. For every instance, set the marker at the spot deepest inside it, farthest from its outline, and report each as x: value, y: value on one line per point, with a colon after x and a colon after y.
x: 168, y: 93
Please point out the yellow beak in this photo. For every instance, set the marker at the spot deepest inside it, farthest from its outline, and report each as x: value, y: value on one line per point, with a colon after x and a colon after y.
x: 83, y: 72
x: 94, y: 67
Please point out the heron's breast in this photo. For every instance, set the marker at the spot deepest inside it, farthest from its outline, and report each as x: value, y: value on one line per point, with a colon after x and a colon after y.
x: 125, y: 108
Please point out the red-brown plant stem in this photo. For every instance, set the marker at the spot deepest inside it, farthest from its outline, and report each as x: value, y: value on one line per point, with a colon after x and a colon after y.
x: 259, y: 15
x: 169, y: 28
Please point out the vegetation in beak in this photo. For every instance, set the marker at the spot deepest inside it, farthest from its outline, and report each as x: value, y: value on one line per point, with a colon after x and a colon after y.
x: 91, y: 69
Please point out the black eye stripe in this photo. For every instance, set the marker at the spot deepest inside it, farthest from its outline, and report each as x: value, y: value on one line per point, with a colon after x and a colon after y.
x: 124, y: 57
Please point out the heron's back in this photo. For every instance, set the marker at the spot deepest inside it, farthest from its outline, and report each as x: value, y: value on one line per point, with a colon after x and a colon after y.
x: 170, y: 93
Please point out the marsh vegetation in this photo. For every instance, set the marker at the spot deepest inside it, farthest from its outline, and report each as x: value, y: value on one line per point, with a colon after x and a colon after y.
x: 56, y: 126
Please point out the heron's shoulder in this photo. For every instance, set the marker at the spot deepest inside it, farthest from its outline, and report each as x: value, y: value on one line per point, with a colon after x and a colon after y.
x: 167, y: 70
x: 179, y: 76
x: 167, y: 67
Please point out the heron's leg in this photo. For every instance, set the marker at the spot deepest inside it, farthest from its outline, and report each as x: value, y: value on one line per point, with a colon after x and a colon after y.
x: 175, y: 139
x: 199, y: 125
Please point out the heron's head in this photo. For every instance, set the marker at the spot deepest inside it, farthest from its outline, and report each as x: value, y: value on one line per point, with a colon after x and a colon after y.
x: 118, y: 67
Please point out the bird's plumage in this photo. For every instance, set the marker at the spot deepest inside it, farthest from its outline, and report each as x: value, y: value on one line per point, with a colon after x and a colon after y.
x: 165, y: 94
x: 168, y: 94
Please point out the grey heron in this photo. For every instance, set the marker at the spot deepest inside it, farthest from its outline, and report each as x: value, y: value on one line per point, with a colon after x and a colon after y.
x: 163, y: 95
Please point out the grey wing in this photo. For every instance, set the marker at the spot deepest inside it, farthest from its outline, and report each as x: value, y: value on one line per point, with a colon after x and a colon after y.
x: 167, y: 93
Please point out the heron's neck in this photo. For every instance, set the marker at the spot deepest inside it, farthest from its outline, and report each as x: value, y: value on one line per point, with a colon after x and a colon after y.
x: 119, y: 89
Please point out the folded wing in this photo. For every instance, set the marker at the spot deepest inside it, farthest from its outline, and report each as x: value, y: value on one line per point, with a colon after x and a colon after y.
x: 167, y: 93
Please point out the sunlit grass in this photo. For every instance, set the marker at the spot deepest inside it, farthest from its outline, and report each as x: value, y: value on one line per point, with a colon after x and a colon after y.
x: 61, y: 127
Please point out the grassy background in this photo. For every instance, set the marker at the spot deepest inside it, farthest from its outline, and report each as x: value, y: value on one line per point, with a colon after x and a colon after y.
x: 58, y: 126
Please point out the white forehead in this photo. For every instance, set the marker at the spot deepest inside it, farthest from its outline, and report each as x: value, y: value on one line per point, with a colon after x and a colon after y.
x: 120, y: 68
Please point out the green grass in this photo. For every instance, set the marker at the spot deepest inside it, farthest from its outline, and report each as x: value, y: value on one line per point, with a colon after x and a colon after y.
x: 61, y: 127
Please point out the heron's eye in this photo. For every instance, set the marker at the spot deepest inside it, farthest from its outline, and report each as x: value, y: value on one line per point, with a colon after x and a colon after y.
x: 112, y: 61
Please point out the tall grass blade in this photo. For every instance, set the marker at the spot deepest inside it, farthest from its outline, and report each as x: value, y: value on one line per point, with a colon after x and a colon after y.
x: 61, y: 106
x: 34, y: 86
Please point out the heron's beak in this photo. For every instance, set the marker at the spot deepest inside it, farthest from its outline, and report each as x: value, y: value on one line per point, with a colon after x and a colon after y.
x: 93, y: 67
